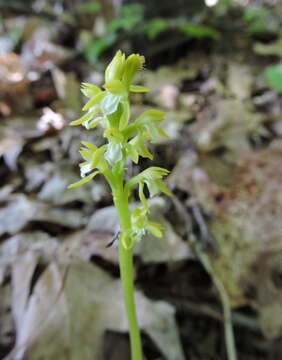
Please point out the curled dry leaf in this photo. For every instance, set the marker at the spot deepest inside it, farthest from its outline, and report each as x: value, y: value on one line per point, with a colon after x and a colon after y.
x: 14, y: 134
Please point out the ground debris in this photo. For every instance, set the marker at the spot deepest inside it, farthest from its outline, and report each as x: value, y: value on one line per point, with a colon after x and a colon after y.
x: 244, y: 221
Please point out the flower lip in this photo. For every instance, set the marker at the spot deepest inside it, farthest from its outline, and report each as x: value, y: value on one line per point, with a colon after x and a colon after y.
x: 132, y: 64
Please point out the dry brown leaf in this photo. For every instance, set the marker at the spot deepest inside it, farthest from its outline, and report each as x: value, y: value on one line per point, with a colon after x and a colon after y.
x: 73, y: 304
x: 12, y: 74
x: 20, y: 211
x: 240, y: 80
x: 244, y: 205
x: 227, y: 122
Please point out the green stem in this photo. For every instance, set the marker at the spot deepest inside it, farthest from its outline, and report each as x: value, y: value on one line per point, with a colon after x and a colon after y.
x: 126, y: 272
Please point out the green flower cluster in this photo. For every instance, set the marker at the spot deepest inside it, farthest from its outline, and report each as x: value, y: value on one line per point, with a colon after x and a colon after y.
x: 110, y: 108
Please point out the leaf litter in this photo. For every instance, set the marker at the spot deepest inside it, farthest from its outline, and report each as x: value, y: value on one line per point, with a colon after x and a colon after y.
x: 74, y: 297
x: 215, y: 108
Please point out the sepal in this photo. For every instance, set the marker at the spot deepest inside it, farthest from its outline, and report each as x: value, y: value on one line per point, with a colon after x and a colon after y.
x: 85, y: 118
x: 84, y: 180
x: 89, y: 90
x: 133, y: 63
x: 94, y: 100
x: 138, y: 89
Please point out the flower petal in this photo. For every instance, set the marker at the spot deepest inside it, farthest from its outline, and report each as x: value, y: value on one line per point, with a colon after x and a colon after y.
x: 109, y: 103
x: 94, y: 100
x: 113, y: 153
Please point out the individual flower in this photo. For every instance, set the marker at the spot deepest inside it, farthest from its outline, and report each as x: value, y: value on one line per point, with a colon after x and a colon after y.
x: 152, y: 177
x: 94, y: 159
x: 141, y: 224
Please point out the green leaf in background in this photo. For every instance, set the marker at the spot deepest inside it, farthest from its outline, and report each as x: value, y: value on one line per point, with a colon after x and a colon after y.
x: 97, y: 46
x: 88, y: 7
x: 273, y: 75
x: 130, y: 16
x: 261, y: 20
x: 155, y: 26
x: 134, y: 10
x: 199, y: 31
x: 252, y: 14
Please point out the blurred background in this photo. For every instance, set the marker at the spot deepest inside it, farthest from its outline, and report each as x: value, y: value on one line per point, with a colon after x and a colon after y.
x: 215, y: 68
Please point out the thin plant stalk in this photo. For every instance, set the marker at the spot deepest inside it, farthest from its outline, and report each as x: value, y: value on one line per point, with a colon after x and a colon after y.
x: 127, y: 274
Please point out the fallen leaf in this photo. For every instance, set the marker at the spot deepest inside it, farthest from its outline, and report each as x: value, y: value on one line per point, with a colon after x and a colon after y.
x: 71, y: 307
x: 85, y: 244
x: 227, y: 123
x: 15, y: 133
x: 10, y: 149
x: 14, y: 248
x: 20, y: 211
x: 55, y: 189
x: 244, y: 206
x: 25, y: 264
x: 68, y: 90
x: 12, y: 74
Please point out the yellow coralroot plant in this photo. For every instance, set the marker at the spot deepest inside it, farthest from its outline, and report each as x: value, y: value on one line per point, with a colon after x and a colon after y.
x: 125, y: 139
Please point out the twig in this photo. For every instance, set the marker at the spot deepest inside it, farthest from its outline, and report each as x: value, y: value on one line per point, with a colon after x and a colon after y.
x: 204, y: 309
x: 228, y: 326
x: 197, y: 247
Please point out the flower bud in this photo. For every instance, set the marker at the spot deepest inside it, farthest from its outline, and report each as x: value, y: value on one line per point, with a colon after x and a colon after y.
x: 115, y: 69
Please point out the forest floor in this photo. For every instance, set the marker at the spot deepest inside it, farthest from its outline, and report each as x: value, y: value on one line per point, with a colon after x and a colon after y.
x: 61, y: 295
